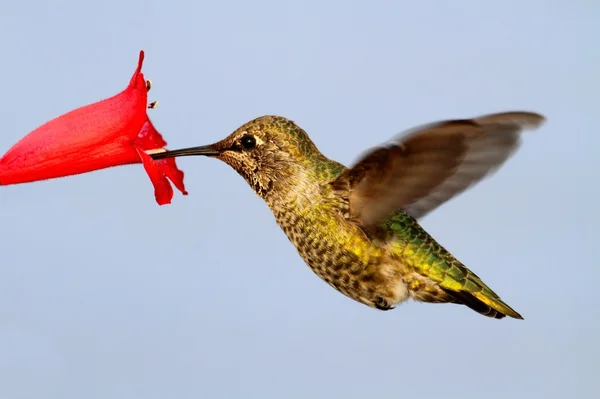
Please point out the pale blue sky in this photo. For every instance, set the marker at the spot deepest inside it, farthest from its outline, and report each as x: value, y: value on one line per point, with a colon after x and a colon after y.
x: 104, y: 294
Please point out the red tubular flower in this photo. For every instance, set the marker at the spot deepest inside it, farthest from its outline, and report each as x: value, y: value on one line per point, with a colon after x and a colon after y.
x: 112, y: 132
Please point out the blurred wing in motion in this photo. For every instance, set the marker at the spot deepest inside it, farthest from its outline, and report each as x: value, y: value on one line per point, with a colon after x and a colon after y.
x: 429, y: 165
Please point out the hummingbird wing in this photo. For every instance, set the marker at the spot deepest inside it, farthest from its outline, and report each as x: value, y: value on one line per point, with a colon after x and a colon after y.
x: 428, y: 165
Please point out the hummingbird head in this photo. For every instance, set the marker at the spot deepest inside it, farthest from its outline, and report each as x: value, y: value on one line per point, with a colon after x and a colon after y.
x: 266, y: 152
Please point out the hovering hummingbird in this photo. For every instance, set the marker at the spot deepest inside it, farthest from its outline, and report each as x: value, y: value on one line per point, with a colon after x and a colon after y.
x: 357, y: 227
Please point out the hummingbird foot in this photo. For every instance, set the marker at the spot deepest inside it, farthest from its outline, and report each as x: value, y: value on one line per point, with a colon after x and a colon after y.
x: 382, y: 304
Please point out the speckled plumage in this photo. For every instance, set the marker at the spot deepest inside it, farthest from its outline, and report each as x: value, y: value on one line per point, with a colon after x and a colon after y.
x: 325, y: 209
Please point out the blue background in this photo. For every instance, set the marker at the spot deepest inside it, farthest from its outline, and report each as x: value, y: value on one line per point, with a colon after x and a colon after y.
x: 104, y: 294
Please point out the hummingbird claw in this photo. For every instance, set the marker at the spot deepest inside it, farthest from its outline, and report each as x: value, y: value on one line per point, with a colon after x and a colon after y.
x: 148, y: 85
x: 153, y: 105
x: 382, y: 304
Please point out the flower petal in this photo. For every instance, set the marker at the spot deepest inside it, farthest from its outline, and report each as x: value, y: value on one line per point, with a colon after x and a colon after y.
x: 163, y: 192
x: 169, y: 168
x: 150, y: 139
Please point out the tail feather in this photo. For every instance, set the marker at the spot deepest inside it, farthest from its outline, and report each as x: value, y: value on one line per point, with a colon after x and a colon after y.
x: 481, y: 299
x: 484, y: 304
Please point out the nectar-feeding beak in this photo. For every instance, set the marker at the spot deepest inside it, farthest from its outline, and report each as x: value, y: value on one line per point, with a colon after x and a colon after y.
x: 206, y: 150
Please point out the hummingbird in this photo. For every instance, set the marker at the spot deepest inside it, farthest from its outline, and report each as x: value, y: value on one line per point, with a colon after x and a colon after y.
x: 357, y: 227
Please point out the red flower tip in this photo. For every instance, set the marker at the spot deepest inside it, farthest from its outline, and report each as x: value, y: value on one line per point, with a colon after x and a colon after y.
x: 111, y: 132
x: 137, y: 75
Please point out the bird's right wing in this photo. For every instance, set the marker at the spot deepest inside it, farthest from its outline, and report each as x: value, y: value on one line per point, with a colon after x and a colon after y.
x: 431, y: 164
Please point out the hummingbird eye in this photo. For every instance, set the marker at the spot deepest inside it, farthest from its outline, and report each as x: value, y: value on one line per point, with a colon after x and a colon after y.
x: 248, y: 142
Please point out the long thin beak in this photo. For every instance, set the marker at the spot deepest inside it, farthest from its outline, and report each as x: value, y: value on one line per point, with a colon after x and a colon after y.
x: 206, y: 150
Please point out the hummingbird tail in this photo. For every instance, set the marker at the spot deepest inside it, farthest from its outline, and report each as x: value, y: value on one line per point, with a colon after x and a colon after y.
x: 487, y: 305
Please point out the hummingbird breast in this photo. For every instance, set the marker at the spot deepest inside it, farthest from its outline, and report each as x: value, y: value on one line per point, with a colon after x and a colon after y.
x: 338, y: 250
